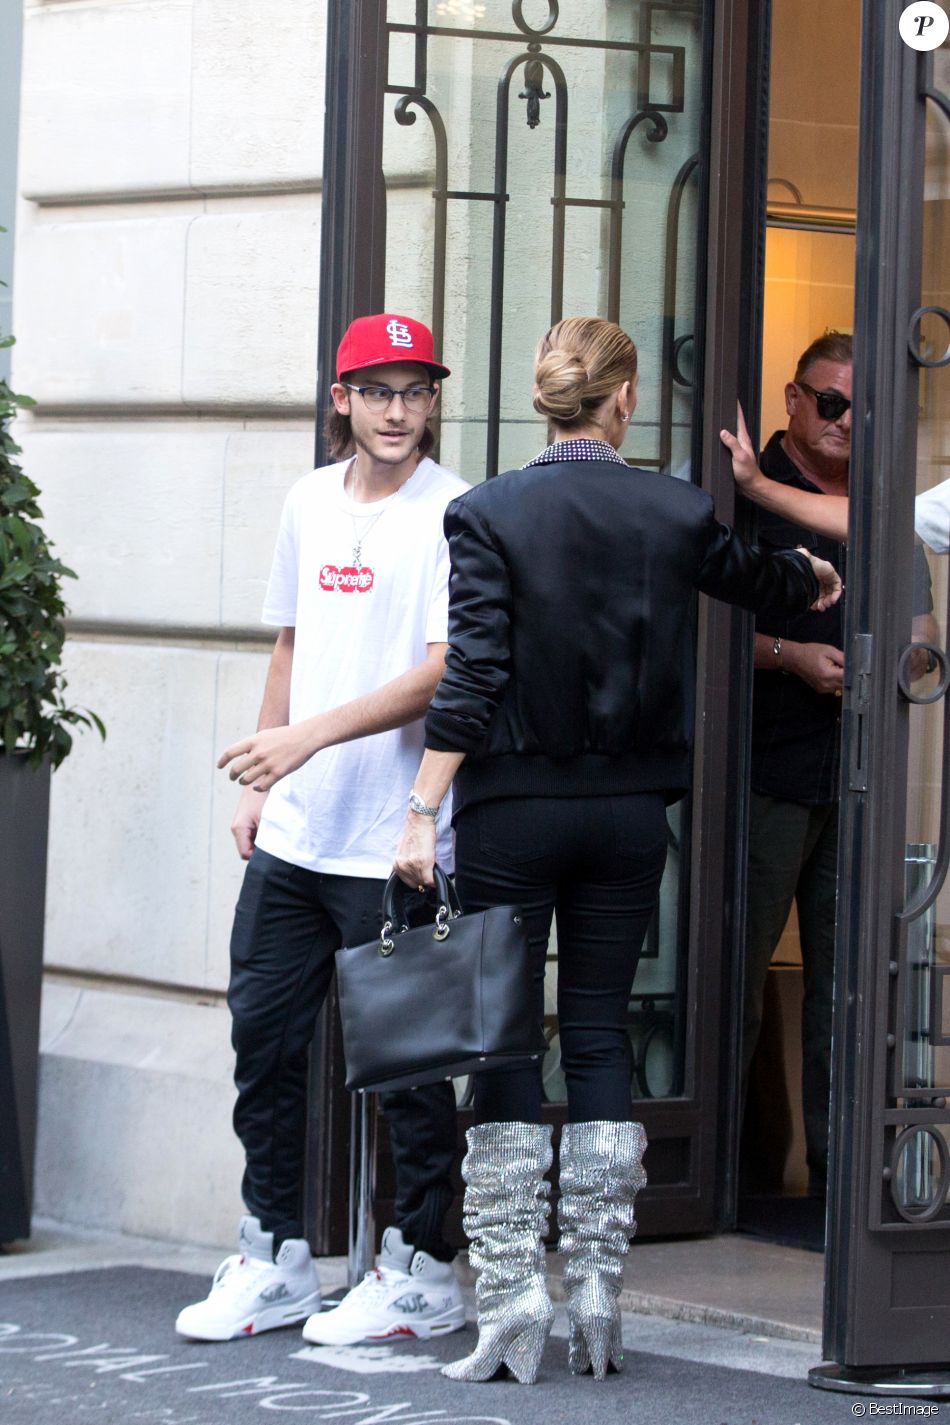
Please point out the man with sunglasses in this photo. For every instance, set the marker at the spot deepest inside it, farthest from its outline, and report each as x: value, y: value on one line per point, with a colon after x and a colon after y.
x: 796, y: 733
x: 359, y: 592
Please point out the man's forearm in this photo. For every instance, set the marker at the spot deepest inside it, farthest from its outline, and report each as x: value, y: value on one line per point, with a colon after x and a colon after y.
x: 925, y: 629
x: 280, y: 748
x: 764, y: 655
x: 401, y: 701
x: 275, y: 704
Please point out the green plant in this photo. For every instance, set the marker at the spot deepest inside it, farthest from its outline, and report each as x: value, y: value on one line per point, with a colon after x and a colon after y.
x: 34, y: 715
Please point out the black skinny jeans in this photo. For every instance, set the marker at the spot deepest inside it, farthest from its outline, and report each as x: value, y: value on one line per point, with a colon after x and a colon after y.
x: 596, y: 864
x: 288, y: 924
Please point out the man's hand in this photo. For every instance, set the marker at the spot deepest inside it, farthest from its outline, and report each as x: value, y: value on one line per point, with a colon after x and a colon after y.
x: 820, y: 665
x: 829, y: 581
x: 247, y: 818
x: 415, y: 855
x: 745, y: 464
x: 272, y: 753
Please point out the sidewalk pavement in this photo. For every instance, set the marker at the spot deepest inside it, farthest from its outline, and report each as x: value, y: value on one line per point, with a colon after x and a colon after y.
x: 727, y: 1302
x: 717, y: 1331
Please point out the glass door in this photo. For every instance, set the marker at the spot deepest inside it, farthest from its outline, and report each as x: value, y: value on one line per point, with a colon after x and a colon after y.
x: 541, y: 160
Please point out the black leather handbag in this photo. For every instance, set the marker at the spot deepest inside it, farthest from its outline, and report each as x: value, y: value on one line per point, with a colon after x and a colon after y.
x: 436, y: 1001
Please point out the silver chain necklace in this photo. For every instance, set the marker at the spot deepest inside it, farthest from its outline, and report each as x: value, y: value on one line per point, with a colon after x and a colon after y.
x: 359, y: 535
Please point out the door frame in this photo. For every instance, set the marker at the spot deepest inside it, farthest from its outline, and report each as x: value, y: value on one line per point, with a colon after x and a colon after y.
x: 883, y: 1324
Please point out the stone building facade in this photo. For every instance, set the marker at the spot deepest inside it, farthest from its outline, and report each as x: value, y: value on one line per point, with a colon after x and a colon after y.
x: 167, y: 253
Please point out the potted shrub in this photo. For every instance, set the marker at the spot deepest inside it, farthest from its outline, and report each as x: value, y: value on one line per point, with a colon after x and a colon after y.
x: 36, y: 723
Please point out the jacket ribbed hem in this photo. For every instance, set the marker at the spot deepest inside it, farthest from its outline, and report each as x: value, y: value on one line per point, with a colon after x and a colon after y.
x: 519, y: 775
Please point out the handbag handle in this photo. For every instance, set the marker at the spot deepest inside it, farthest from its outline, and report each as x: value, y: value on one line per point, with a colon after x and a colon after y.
x: 394, y: 909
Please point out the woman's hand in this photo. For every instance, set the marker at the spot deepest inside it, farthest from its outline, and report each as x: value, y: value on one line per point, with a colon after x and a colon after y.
x: 415, y: 855
x: 829, y: 581
x: 272, y: 753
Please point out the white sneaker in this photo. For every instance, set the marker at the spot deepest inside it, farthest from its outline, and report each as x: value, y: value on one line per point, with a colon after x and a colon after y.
x: 252, y: 1293
x: 407, y: 1293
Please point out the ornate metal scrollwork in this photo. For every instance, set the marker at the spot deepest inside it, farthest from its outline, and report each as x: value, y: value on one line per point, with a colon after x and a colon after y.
x: 650, y: 119
x: 534, y: 91
x: 517, y: 14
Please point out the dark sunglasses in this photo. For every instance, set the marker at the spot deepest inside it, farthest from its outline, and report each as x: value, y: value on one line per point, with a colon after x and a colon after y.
x: 831, y: 404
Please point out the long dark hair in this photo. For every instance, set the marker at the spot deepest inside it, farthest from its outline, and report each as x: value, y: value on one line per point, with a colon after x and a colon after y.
x: 339, y: 436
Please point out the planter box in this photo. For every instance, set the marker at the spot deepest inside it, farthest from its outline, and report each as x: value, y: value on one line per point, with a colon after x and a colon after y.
x: 24, y: 815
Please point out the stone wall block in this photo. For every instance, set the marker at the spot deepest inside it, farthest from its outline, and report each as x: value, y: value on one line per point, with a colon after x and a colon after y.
x: 251, y: 307
x: 217, y: 310
x: 135, y: 1131
x: 260, y: 468
x: 130, y: 818
x: 143, y: 498
x: 106, y: 98
x: 257, y: 92
x: 98, y: 311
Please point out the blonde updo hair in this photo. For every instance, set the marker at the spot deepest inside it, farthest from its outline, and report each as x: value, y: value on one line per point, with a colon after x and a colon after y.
x: 580, y: 362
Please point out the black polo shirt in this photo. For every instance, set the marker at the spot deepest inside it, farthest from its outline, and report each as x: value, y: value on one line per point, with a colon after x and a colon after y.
x: 796, y: 732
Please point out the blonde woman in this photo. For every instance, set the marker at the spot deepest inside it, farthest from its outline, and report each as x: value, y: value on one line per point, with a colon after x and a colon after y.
x: 564, y: 718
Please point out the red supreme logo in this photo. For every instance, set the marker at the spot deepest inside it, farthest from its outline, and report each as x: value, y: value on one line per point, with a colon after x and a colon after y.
x: 348, y: 580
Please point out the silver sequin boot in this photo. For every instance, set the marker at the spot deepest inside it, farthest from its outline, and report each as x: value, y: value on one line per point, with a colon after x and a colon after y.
x: 505, y: 1216
x: 601, y: 1174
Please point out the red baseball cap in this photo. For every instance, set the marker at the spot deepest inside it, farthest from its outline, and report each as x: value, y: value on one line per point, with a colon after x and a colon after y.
x: 378, y: 340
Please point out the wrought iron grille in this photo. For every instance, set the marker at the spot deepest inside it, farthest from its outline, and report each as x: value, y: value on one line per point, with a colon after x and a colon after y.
x: 540, y: 66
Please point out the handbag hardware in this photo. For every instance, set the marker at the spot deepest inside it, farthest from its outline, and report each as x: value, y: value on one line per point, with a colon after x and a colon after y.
x: 393, y: 905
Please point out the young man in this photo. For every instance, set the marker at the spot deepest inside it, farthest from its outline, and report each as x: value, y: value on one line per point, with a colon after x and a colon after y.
x: 359, y: 590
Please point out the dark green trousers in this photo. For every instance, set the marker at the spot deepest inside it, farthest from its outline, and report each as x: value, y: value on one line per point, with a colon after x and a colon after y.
x: 793, y: 853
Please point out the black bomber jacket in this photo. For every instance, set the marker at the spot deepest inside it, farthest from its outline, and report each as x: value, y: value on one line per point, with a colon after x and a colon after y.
x: 571, y: 660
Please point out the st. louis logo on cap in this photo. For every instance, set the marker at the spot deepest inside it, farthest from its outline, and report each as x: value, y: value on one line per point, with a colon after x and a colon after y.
x: 383, y: 338
x: 399, y: 334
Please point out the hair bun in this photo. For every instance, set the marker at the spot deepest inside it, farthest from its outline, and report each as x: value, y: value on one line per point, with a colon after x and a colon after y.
x: 560, y: 384
x: 580, y: 362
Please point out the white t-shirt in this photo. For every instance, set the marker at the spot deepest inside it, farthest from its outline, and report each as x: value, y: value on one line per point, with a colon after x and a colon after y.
x: 932, y: 517
x: 356, y: 627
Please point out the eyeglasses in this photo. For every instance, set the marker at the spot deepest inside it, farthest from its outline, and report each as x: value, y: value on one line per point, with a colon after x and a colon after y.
x: 831, y: 404
x: 379, y: 398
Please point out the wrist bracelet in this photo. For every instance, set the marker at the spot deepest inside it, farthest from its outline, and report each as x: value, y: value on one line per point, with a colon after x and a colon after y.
x: 417, y: 805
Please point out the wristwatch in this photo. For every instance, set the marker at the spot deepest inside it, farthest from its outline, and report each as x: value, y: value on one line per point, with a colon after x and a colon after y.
x: 416, y: 804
